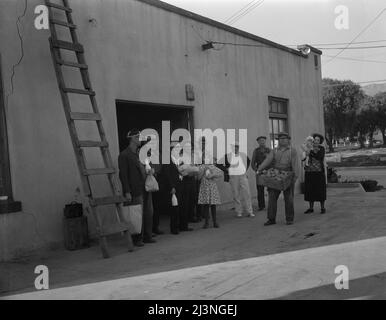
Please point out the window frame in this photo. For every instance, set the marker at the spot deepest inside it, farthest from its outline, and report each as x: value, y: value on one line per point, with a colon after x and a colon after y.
x: 277, y: 116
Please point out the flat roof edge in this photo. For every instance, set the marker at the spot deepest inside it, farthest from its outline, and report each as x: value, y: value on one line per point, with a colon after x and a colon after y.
x: 199, y: 18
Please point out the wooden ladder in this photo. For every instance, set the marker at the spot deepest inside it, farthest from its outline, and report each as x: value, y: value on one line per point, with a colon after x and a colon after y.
x: 116, y: 199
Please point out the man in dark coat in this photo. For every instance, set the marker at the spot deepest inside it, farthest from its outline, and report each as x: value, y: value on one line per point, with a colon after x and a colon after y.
x: 133, y: 176
x: 259, y: 155
x: 172, y: 186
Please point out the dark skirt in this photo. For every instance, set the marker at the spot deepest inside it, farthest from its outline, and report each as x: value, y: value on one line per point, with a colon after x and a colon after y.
x: 315, y: 186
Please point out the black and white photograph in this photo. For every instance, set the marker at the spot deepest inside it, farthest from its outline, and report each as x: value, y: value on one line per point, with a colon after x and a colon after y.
x: 192, y: 154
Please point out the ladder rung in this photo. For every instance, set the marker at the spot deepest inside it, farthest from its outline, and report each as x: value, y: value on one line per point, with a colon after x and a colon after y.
x: 58, y: 6
x: 85, y: 116
x: 72, y: 64
x: 77, y: 47
x: 79, y: 91
x: 96, y: 172
x: 63, y: 23
x: 113, y: 229
x: 107, y: 201
x: 92, y: 144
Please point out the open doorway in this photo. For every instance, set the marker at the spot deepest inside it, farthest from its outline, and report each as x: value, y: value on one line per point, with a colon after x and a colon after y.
x: 141, y: 116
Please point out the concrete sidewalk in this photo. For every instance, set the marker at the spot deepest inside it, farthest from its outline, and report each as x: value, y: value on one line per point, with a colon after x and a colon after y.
x: 352, y: 216
x: 294, y: 275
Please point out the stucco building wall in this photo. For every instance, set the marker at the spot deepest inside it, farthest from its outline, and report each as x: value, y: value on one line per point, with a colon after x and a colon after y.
x: 137, y: 52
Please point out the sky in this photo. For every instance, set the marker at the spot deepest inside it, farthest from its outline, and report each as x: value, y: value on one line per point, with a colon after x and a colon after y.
x: 295, y: 22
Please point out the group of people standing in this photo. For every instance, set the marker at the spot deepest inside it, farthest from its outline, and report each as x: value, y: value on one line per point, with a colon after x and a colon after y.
x: 189, y: 193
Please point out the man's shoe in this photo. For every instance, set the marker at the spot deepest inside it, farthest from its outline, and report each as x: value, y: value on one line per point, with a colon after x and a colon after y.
x: 308, y: 211
x: 149, y: 241
x: 251, y: 215
x: 270, y: 223
x: 323, y: 211
x: 290, y: 223
x: 215, y: 225
x: 206, y: 225
x: 175, y: 232
x: 262, y: 209
x: 158, y: 232
x: 139, y: 244
x: 239, y: 215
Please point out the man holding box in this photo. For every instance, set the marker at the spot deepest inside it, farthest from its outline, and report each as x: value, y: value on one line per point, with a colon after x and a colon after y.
x: 283, y: 158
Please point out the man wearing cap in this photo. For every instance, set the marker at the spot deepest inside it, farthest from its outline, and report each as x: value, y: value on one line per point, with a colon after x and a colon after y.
x: 132, y: 174
x: 283, y: 158
x: 259, y: 155
x: 237, y: 164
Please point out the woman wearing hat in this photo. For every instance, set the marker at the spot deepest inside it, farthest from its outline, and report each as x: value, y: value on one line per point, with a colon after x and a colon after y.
x: 315, y: 179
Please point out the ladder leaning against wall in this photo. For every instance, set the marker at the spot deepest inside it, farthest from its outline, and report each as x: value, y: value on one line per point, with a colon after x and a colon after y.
x: 116, y: 199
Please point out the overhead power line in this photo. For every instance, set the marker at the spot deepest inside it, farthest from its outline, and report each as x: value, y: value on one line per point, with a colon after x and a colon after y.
x: 358, y: 35
x: 352, y: 48
x: 239, y: 11
x: 361, y: 82
x: 247, y: 12
x: 268, y: 46
x: 356, y: 59
x: 244, y: 11
x: 338, y: 43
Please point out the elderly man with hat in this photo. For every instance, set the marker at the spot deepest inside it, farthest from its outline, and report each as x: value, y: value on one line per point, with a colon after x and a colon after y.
x: 284, y: 158
x: 132, y: 174
x: 259, y: 155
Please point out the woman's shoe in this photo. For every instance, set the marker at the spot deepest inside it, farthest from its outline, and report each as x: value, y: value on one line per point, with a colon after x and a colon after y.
x: 323, y: 211
x: 309, y: 211
x: 215, y: 225
x: 206, y: 225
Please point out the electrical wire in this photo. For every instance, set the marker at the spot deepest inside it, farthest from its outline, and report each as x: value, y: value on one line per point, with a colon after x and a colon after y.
x: 362, y: 82
x: 239, y: 11
x: 249, y: 10
x: 241, y: 44
x: 199, y: 35
x: 352, y: 48
x: 338, y: 43
x: 18, y: 22
x: 355, y: 59
x: 359, y: 34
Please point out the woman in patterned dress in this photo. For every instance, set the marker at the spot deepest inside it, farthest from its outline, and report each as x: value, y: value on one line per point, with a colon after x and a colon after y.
x: 209, y: 196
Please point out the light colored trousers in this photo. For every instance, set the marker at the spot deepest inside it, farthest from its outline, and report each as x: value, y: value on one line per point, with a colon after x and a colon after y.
x: 241, y: 193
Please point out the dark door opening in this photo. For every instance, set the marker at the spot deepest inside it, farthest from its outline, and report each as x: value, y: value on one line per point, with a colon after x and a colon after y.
x: 141, y: 116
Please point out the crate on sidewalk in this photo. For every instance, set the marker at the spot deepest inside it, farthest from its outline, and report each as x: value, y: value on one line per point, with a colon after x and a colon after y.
x: 75, y: 233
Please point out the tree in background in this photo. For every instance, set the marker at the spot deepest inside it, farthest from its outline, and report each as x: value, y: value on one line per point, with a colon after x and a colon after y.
x: 380, y: 105
x: 341, y: 101
x: 366, y: 121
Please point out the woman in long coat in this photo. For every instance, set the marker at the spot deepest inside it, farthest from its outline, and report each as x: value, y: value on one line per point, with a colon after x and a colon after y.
x: 315, y: 179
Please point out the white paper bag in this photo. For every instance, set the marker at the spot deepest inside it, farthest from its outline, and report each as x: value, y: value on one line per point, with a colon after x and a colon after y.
x: 133, y: 217
x: 174, y: 201
x: 151, y: 184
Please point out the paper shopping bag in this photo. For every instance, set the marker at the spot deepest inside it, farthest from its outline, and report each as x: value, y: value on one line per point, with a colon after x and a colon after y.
x: 133, y: 216
x: 151, y: 184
